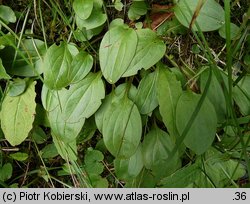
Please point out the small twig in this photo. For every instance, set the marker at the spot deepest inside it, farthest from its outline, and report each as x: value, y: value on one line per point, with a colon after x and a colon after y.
x: 9, y: 149
x: 25, y: 175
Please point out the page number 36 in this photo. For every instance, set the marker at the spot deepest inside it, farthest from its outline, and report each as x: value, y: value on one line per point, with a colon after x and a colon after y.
x: 240, y: 196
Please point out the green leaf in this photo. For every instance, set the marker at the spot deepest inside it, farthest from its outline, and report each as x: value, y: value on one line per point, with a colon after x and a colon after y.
x: 241, y: 95
x: 57, y: 66
x: 6, y: 172
x: 26, y: 60
x: 210, y: 17
x: 83, y: 8
x: 49, y: 151
x: 121, y: 56
x: 116, y: 22
x: 52, y: 102
x: 234, y: 31
x: 149, y: 51
x: 146, y: 99
x: 156, y: 148
x: 122, y: 88
x: 130, y: 168
x: 215, y: 94
x: 84, y: 98
x: 3, y: 74
x: 168, y: 92
x: 184, y: 177
x: 69, y: 108
x: 17, y: 87
x: 81, y: 66
x: 39, y: 135
x: 202, y: 132
x: 122, y: 126
x: 19, y: 156
x: 118, y: 5
x: 6, y: 39
x: 88, y: 130
x: 7, y: 14
x: 95, y: 20
x: 117, y: 50
x: 136, y: 10
x: 119, y: 92
x: 92, y: 161
x: 17, y: 115
x: 63, y: 127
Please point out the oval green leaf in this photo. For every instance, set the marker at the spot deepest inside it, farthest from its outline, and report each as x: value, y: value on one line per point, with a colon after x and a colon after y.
x: 210, y: 17
x: 39, y: 136
x: 18, y: 114
x: 57, y: 66
x: 234, y: 31
x: 136, y: 10
x: 83, y: 8
x: 122, y: 127
x: 68, y: 108
x: 117, y: 50
x: 146, y: 99
x: 17, y: 87
x: 7, y: 14
x: 95, y: 20
x: 168, y: 92
x: 49, y: 151
x: 149, y: 51
x: 119, y: 92
x: 156, y: 150
x: 84, y: 98
x: 19, y: 156
x: 202, y: 132
x: 6, y: 172
x: 62, y: 128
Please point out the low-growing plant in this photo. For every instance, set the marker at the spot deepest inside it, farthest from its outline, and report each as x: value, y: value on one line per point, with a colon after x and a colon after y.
x: 124, y: 94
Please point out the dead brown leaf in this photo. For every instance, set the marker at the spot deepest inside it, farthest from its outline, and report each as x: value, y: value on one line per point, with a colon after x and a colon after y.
x: 159, y: 18
x: 159, y: 14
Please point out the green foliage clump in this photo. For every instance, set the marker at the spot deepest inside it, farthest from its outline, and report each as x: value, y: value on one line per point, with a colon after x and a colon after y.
x: 123, y: 94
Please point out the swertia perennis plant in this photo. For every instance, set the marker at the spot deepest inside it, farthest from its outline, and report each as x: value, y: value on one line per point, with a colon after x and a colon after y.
x: 124, y: 93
